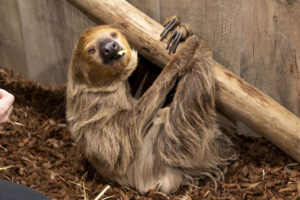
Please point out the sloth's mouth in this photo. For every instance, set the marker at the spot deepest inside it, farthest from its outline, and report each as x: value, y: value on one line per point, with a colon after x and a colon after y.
x: 113, y: 59
x: 120, y: 53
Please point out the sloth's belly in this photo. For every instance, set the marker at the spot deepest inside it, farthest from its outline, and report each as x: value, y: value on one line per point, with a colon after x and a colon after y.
x: 147, y: 171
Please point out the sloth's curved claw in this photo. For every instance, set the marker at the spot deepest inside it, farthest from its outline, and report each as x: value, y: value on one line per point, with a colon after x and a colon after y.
x: 170, y: 24
x: 180, y: 32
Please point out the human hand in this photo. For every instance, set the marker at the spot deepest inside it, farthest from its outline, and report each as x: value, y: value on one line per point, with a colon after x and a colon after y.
x: 6, y: 101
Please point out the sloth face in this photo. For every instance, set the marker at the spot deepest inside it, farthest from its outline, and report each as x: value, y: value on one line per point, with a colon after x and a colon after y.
x: 103, y: 53
x: 106, y: 46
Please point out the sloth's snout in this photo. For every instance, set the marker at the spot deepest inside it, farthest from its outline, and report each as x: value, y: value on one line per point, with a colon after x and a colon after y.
x: 109, y: 49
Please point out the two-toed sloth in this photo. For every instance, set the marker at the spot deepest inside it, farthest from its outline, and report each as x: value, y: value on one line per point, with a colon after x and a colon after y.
x: 138, y: 143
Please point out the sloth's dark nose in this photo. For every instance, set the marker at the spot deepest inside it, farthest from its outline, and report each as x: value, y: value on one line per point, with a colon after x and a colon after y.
x: 109, y: 49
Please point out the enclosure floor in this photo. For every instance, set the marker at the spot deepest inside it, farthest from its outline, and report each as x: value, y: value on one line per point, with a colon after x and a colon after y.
x: 36, y: 150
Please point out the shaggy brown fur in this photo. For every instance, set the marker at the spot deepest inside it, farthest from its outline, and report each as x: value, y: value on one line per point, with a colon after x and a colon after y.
x: 136, y: 142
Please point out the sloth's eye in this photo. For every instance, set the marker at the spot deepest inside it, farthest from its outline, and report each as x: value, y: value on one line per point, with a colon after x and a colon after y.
x: 114, y: 35
x: 91, y: 50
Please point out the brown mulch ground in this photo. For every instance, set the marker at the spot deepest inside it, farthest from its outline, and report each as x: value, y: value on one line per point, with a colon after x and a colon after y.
x: 37, y: 151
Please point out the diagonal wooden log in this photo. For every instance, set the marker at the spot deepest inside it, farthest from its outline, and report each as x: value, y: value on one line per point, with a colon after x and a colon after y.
x: 235, y: 97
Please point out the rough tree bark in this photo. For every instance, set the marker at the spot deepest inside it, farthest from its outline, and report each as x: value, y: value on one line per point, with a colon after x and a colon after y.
x: 235, y: 97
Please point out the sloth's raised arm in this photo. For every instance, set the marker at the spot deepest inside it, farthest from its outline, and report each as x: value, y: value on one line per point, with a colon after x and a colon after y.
x: 153, y: 99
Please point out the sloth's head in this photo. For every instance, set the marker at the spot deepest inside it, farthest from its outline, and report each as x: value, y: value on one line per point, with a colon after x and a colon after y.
x: 102, y: 54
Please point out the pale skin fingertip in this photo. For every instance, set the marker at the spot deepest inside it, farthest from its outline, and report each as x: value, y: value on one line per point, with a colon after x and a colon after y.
x: 6, y: 97
x: 6, y: 101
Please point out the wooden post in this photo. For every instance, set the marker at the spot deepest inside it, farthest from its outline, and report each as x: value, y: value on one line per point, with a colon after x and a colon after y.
x: 235, y: 97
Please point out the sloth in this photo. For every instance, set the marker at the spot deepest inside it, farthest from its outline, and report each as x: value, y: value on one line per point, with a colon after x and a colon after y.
x: 137, y: 142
